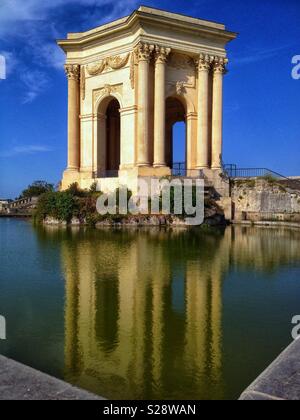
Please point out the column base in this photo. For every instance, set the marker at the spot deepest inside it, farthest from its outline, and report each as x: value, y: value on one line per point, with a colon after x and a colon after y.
x: 131, y: 177
x: 86, y: 173
x: 143, y: 165
x: 159, y: 165
x: 202, y: 167
x: 149, y: 171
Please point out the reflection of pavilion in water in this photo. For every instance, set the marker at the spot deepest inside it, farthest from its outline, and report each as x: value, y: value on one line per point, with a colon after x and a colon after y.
x: 134, y: 313
x: 144, y: 309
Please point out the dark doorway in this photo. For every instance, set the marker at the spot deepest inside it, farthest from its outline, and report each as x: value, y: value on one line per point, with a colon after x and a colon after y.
x: 113, y: 136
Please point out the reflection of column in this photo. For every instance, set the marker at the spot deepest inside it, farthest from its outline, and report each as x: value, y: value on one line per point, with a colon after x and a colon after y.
x: 71, y: 312
x: 161, y: 55
x: 73, y: 74
x: 216, y: 320
x: 127, y: 278
x: 143, y: 53
x: 160, y: 280
x: 203, y: 90
x: 140, y: 311
x: 197, y: 316
x: 217, y: 112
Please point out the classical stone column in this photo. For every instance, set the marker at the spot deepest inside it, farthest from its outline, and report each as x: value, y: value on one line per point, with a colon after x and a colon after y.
x: 161, y: 55
x: 100, y: 145
x: 191, y: 150
x: 73, y: 75
x: 217, y: 111
x: 204, y: 65
x: 143, y: 54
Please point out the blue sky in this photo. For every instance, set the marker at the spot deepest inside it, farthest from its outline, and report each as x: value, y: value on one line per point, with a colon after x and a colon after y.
x: 261, y: 99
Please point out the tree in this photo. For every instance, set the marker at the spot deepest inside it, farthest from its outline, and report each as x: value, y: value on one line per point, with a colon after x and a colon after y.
x: 36, y: 189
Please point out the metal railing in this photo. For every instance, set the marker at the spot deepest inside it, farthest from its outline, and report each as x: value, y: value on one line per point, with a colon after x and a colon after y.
x: 179, y: 169
x: 233, y: 172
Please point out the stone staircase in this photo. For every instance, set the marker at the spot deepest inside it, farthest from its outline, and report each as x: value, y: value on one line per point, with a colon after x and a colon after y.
x: 21, y: 208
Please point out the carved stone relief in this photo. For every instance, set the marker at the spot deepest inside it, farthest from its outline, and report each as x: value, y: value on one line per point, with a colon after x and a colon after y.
x: 114, y: 63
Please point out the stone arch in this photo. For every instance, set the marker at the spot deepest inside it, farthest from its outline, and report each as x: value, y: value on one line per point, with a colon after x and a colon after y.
x: 108, y: 135
x: 103, y: 100
x: 176, y: 111
x: 189, y: 104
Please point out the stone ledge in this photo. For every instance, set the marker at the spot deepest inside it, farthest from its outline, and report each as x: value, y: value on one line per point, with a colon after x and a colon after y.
x: 265, y: 223
x: 280, y: 381
x: 20, y: 382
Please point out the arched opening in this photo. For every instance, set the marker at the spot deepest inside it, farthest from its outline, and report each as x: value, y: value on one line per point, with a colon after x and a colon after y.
x: 176, y: 139
x: 108, y: 153
x: 113, y: 136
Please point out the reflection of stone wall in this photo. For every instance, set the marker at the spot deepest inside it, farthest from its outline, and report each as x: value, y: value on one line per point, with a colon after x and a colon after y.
x: 264, y: 248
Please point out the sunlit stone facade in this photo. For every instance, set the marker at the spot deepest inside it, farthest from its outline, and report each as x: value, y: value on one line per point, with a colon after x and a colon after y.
x: 129, y: 82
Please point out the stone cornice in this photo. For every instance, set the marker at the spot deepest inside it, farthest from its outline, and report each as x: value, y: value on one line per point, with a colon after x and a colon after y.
x: 86, y: 117
x: 180, y: 46
x: 129, y: 110
x: 192, y: 115
x: 149, y: 16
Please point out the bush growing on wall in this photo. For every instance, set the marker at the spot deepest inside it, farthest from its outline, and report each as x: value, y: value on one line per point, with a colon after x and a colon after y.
x: 59, y: 205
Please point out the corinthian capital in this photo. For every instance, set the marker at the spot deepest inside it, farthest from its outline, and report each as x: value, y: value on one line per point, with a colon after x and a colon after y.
x: 72, y: 71
x: 144, y: 51
x: 204, y: 62
x: 161, y: 54
x: 219, y: 65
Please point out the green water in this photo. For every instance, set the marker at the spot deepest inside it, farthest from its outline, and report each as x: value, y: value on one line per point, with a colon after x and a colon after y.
x: 144, y: 314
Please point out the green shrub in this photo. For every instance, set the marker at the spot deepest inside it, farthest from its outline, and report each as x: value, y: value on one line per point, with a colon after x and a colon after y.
x: 268, y: 178
x: 76, y: 191
x: 59, y: 205
x: 93, y: 187
x: 249, y: 183
x: 36, y: 189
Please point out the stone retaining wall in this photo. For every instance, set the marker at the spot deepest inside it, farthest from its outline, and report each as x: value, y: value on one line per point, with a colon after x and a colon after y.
x: 280, y: 381
x: 20, y: 382
x: 260, y: 200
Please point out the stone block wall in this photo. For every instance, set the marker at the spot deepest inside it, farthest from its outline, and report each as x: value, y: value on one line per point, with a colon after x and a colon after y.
x: 257, y: 200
